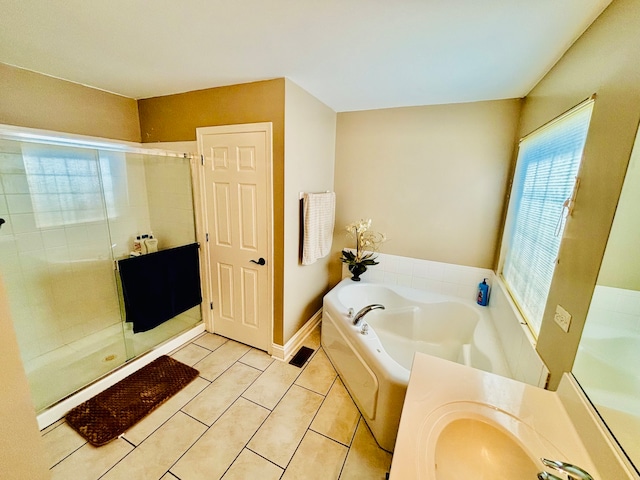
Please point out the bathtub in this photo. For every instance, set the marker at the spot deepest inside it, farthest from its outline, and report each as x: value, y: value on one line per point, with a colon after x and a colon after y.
x: 375, y: 365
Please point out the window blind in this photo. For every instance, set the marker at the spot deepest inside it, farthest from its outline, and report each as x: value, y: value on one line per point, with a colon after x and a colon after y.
x: 546, y: 172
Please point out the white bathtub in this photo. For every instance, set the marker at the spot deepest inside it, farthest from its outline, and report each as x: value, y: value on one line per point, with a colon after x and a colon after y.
x: 375, y: 367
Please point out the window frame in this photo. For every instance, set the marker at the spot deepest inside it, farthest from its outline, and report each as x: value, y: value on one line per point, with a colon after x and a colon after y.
x: 512, y: 200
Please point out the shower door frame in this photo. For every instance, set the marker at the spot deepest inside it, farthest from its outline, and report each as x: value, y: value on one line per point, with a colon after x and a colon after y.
x: 25, y: 134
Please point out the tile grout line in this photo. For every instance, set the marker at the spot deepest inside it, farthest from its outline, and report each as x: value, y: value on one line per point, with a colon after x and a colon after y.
x: 163, y: 423
x: 145, y: 439
x: 170, y: 417
x: 192, y: 417
x: 263, y: 457
x: 272, y: 410
x: 222, y: 414
x: 190, y: 447
x: 344, y: 463
x: 314, y: 416
x: 253, y: 435
x: 226, y: 410
x: 67, y: 456
x: 221, y: 373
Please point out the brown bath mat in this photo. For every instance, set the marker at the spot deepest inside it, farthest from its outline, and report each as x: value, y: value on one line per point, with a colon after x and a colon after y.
x: 110, y: 413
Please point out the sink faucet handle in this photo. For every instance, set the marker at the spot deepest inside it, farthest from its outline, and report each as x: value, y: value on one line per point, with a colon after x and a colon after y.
x: 573, y: 472
x: 547, y: 476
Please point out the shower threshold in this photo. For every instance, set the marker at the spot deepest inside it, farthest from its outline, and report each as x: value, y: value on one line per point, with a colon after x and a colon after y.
x: 58, y: 410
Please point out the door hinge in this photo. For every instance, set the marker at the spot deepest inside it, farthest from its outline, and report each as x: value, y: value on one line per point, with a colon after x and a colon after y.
x: 211, y: 305
x: 206, y: 237
x: 202, y: 159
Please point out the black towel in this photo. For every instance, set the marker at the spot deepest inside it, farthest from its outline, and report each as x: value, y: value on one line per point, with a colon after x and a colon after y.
x: 158, y: 286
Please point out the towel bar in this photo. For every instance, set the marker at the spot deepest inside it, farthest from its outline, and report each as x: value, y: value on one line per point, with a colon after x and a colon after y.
x: 301, y: 194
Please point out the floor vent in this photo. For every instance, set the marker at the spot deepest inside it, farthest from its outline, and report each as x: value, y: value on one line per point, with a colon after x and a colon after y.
x: 301, y: 357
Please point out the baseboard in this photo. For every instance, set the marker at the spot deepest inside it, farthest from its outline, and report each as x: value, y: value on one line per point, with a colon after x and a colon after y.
x: 291, y: 347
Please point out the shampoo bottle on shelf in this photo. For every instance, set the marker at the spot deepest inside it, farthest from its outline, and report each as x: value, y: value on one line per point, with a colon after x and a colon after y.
x: 151, y: 243
x: 143, y: 242
x: 137, y: 245
x: 483, y: 293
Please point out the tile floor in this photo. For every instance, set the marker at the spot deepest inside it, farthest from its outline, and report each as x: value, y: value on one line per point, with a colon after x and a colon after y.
x: 246, y: 416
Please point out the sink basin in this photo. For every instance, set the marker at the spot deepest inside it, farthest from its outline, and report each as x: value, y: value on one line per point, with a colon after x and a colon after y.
x: 467, y: 447
x: 475, y: 440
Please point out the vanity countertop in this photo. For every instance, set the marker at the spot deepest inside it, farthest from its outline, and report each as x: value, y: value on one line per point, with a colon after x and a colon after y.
x: 451, y: 404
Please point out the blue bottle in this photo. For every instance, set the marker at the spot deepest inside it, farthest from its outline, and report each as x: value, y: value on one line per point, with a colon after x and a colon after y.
x: 483, y: 293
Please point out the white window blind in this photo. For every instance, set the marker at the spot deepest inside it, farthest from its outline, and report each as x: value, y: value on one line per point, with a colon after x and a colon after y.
x: 546, y: 172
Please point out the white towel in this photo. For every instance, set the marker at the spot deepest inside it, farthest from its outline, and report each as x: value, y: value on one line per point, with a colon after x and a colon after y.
x: 319, y: 211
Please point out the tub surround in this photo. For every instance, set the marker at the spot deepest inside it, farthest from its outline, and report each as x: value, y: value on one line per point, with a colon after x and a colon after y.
x: 516, y: 339
x: 531, y: 422
x: 447, y: 278
x: 461, y: 281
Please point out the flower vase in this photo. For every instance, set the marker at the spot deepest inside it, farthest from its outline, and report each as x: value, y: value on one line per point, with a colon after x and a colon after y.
x: 357, y: 270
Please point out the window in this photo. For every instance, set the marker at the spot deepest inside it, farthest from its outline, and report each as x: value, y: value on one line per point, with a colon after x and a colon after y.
x: 65, y: 184
x: 541, y: 196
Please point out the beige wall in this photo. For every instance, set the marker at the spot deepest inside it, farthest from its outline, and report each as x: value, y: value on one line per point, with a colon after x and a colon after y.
x: 310, y: 129
x: 606, y: 61
x: 431, y: 178
x: 29, y: 99
x: 22, y: 453
x: 174, y: 118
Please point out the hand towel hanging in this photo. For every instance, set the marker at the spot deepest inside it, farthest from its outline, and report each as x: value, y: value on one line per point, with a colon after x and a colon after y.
x: 319, y: 219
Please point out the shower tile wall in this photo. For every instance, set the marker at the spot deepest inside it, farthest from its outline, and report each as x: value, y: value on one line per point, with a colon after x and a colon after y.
x: 170, y: 201
x: 129, y: 214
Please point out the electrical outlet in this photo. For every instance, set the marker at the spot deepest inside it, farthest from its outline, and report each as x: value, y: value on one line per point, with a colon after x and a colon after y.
x: 562, y: 318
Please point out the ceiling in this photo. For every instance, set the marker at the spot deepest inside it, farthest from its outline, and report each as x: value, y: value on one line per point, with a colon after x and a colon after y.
x: 350, y: 54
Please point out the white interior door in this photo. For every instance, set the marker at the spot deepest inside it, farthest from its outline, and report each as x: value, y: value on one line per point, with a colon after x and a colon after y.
x: 237, y: 166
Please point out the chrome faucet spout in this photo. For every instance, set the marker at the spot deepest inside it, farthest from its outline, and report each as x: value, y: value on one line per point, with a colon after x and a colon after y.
x: 573, y: 472
x: 363, y: 311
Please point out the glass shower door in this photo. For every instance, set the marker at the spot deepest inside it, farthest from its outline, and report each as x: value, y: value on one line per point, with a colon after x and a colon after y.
x: 145, y: 195
x: 57, y: 264
x: 160, y: 204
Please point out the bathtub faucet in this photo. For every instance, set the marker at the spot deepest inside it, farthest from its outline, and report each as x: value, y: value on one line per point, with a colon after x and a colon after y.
x: 363, y: 311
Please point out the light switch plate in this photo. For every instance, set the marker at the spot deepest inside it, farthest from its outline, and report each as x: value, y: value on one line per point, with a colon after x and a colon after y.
x: 562, y: 318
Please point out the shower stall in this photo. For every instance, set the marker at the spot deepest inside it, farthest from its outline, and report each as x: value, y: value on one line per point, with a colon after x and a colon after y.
x: 72, y: 209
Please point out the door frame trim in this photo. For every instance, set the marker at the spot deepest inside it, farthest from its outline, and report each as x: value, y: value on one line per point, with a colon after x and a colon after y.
x: 267, y: 128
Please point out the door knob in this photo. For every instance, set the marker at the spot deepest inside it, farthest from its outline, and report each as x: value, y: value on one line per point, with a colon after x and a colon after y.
x: 260, y: 261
